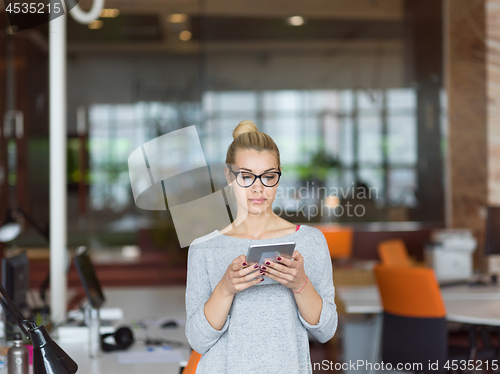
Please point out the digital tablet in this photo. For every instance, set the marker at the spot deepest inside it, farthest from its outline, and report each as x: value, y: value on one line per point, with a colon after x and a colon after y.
x: 268, y: 252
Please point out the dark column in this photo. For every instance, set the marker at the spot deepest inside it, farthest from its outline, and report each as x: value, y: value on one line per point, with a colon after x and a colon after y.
x: 423, y: 52
x: 4, y: 186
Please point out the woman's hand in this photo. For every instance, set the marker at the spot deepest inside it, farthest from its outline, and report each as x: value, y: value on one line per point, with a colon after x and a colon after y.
x: 237, y: 276
x: 290, y: 273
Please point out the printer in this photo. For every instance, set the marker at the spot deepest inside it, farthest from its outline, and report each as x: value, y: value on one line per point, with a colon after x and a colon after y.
x: 450, y: 254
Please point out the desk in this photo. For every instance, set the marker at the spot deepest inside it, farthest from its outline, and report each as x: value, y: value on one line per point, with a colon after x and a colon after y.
x: 464, y: 304
x: 137, y: 303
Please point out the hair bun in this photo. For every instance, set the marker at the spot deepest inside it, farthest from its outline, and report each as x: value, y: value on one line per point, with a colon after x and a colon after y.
x: 243, y: 127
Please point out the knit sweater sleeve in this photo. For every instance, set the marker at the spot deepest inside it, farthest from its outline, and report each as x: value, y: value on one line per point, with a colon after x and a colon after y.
x: 200, y: 334
x: 325, y: 329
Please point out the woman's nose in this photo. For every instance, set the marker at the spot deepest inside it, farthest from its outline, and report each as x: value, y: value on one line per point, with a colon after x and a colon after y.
x: 258, y: 186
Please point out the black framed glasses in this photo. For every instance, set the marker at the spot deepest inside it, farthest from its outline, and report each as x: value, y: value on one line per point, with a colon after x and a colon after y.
x: 246, y: 179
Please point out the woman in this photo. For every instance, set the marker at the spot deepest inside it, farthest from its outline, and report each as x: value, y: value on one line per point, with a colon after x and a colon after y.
x: 239, y: 327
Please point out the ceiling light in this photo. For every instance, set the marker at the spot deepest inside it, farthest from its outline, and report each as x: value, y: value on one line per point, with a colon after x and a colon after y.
x: 109, y: 13
x: 295, y: 21
x: 185, y: 35
x: 177, y: 18
x: 94, y: 25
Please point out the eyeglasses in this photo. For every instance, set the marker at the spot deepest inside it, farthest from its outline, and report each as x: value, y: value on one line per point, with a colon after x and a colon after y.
x: 246, y: 179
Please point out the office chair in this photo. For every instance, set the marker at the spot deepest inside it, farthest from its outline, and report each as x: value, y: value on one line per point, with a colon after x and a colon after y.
x: 339, y: 240
x: 192, y: 364
x: 414, y: 325
x: 393, y: 252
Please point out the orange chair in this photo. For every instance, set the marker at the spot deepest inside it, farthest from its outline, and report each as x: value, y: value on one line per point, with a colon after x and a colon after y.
x: 192, y: 364
x: 339, y: 240
x: 414, y: 325
x: 411, y: 292
x: 393, y: 252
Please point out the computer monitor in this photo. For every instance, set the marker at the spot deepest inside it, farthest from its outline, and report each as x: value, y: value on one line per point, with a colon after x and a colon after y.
x: 15, y: 280
x: 88, y: 277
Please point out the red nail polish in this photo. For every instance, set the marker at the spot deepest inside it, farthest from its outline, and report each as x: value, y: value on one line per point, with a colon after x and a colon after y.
x: 262, y: 279
x: 268, y: 263
x: 256, y: 266
x: 244, y: 264
x: 261, y: 272
x: 279, y: 258
x: 264, y: 268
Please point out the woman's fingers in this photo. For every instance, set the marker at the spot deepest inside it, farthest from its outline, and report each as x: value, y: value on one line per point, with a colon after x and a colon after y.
x: 250, y: 273
x: 248, y: 269
x: 284, y: 282
x: 287, y: 275
x: 238, y: 263
x: 287, y: 271
x: 296, y: 256
x: 257, y: 280
x: 278, y: 267
x: 249, y: 280
x: 237, y: 270
x: 245, y: 285
x: 241, y: 275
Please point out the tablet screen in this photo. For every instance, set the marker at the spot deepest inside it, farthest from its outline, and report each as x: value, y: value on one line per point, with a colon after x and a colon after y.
x: 268, y: 252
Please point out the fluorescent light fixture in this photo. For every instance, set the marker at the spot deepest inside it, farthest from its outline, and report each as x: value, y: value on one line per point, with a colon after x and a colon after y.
x: 295, y: 21
x: 94, y: 25
x: 109, y: 13
x: 177, y: 18
x: 185, y: 35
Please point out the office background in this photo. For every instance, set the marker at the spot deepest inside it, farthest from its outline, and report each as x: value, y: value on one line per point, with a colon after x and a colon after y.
x: 355, y: 83
x: 396, y: 95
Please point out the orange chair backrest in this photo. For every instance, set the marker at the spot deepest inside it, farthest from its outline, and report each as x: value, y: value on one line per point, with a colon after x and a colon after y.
x: 190, y: 368
x: 339, y: 240
x: 393, y: 252
x: 410, y: 291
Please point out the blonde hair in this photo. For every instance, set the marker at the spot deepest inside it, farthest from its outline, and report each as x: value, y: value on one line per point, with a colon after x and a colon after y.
x: 247, y: 136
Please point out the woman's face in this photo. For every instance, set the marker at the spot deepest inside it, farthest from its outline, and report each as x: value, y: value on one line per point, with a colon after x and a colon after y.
x: 257, y: 198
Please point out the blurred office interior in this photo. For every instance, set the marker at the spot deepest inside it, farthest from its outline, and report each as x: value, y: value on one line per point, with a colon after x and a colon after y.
x: 397, y: 98
x: 359, y: 86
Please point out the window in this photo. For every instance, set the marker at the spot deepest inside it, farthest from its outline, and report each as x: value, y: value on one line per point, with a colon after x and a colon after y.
x: 372, y: 134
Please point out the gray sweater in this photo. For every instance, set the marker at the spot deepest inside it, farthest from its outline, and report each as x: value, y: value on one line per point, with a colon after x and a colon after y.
x: 264, y: 331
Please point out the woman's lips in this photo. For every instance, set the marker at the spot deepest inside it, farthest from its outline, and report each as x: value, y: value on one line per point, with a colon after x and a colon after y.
x: 257, y: 201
